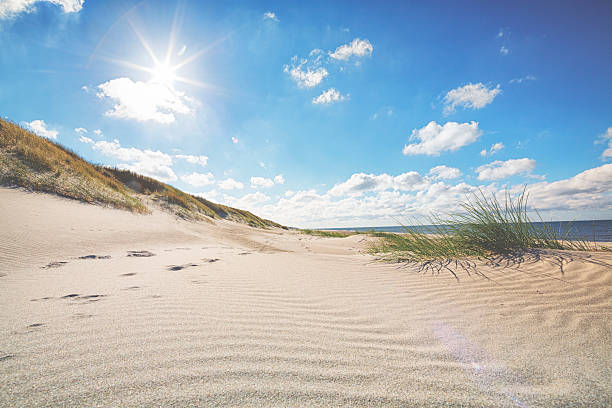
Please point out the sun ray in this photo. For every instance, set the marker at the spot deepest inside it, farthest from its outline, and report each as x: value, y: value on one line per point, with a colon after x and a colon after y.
x: 143, y: 42
x: 200, y: 52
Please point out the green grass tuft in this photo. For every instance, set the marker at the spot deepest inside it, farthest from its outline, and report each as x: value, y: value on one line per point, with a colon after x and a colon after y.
x: 485, y: 227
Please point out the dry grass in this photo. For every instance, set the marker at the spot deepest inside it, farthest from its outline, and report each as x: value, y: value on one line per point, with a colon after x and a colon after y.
x: 38, y: 164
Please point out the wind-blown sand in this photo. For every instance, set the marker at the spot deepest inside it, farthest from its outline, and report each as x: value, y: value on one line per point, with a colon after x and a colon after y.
x: 223, y: 314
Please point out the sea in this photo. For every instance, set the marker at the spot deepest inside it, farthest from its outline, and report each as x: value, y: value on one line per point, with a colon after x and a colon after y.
x: 593, y: 230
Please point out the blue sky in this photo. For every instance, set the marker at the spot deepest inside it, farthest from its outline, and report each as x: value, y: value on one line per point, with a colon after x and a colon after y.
x: 325, y: 114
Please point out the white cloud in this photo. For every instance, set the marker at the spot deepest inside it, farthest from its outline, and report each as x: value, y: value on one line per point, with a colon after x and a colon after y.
x: 257, y: 182
x: 329, y: 96
x: 144, y: 100
x: 268, y: 15
x: 261, y: 182
x: 357, y: 47
x: 606, y: 138
x: 503, y: 50
x: 150, y: 163
x: 98, y: 132
x: 444, y: 172
x: 11, y: 8
x: 590, y: 189
x: 40, y: 128
x: 360, y: 183
x: 279, y: 179
x: 473, y: 96
x: 80, y: 130
x: 249, y: 202
x: 230, y: 184
x: 501, y: 169
x: 199, y: 179
x: 494, y: 149
x: 309, y: 78
x: 523, y: 79
x: 201, y: 160
x: 434, y: 138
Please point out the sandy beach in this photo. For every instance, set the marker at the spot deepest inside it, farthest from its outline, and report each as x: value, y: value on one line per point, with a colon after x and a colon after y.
x: 100, y: 307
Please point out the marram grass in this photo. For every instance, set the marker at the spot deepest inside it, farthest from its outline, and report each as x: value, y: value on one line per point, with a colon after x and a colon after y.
x: 485, y: 227
x: 38, y: 164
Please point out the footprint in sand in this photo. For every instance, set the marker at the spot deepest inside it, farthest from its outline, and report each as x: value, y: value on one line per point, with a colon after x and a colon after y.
x: 210, y: 260
x: 244, y: 253
x: 180, y: 267
x: 4, y: 357
x: 85, y: 298
x: 95, y: 257
x: 131, y: 288
x: 82, y: 316
x: 34, y: 327
x: 39, y: 299
x: 56, y: 264
x: 140, y: 254
x: 128, y: 274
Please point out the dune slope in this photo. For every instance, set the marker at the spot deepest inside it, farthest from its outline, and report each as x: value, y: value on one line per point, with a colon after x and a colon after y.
x: 38, y: 164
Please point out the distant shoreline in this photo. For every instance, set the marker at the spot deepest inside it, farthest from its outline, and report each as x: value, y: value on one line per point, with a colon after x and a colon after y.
x: 594, y: 230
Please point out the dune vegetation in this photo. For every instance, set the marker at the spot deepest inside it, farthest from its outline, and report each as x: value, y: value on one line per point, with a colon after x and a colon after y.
x: 485, y: 227
x: 39, y: 164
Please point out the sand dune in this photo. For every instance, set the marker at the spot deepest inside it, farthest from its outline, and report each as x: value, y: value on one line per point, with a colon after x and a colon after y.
x: 100, y: 307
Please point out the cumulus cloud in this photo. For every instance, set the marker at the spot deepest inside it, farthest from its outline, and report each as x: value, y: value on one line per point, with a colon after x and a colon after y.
x: 150, y: 163
x: 501, y: 169
x: 357, y: 48
x: 590, y: 189
x: 199, y: 179
x: 261, y: 182
x: 279, y: 179
x: 522, y: 79
x: 360, y: 183
x: 434, y: 138
x: 11, y: 8
x: 144, y: 101
x: 268, y: 15
x: 376, y: 204
x: 306, y: 77
x: 40, y: 128
x: 80, y: 130
x: 329, y: 96
x: 248, y: 202
x: 230, y: 184
x: 606, y: 137
x: 444, y: 172
x: 494, y: 149
x: 472, y: 96
x: 201, y: 160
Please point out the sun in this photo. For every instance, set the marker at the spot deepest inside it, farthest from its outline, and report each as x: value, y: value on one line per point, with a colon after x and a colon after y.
x: 163, y: 73
x: 163, y: 70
